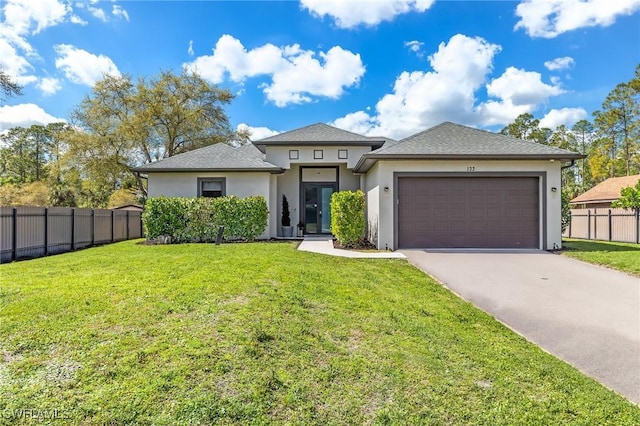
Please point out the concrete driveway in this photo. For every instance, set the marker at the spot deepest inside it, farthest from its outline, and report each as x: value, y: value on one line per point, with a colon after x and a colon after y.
x: 584, y: 314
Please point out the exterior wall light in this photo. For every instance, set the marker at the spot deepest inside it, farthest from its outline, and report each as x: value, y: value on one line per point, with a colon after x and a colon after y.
x: 554, y: 189
x: 386, y: 189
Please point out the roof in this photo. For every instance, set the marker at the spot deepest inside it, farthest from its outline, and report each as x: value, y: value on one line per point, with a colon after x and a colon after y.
x: 454, y: 141
x: 218, y: 157
x: 609, y: 190
x: 320, y: 134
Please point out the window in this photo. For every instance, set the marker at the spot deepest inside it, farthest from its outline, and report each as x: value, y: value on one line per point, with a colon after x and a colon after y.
x: 211, y: 187
x: 343, y: 154
x: 294, y: 154
x: 317, y: 154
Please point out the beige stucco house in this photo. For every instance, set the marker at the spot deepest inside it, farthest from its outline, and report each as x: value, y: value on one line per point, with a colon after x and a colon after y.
x: 449, y: 186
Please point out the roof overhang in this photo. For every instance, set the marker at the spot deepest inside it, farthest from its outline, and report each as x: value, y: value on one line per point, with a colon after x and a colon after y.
x: 368, y: 160
x: 272, y: 170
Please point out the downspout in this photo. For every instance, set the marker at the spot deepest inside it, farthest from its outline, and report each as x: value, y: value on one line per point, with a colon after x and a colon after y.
x: 573, y: 163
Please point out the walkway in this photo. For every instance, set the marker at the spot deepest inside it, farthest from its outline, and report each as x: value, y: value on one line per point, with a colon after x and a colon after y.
x: 324, y: 245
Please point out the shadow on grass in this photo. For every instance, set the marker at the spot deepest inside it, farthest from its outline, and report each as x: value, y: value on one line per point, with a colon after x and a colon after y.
x: 590, y: 245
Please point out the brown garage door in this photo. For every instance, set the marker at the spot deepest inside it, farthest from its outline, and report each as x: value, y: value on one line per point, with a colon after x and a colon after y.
x: 477, y: 212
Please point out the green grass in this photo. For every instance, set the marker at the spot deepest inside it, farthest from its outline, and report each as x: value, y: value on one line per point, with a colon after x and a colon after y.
x: 261, y: 334
x: 622, y: 256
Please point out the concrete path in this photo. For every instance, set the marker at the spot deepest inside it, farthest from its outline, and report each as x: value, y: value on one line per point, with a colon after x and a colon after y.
x: 324, y: 245
x: 584, y: 314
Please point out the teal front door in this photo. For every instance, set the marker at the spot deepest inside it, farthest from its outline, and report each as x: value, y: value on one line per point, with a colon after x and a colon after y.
x: 317, y: 210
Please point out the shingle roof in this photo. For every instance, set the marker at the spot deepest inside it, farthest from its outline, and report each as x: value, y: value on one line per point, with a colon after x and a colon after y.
x: 320, y: 134
x: 608, y: 190
x: 454, y: 141
x: 449, y: 139
x: 218, y: 157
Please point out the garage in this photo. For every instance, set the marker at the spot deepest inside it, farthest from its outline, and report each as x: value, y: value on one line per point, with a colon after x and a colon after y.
x: 468, y: 212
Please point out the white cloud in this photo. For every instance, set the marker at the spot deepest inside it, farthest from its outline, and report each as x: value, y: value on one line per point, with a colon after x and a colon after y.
x: 49, y: 85
x: 549, y: 18
x: 98, y: 13
x: 559, y: 63
x: 120, y: 12
x: 521, y: 87
x: 448, y: 93
x: 297, y: 76
x: 257, y: 133
x: 349, y: 14
x: 358, y: 122
x: 519, y: 92
x: 75, y: 19
x: 21, y: 20
x: 31, y: 17
x: 415, y: 46
x: 24, y: 115
x: 423, y: 99
x: 190, y: 49
x: 82, y: 67
x: 566, y: 116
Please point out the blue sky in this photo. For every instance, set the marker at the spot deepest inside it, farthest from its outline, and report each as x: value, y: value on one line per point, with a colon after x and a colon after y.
x: 387, y: 68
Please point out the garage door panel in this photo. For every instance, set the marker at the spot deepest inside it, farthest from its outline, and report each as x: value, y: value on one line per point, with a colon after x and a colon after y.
x: 492, y: 212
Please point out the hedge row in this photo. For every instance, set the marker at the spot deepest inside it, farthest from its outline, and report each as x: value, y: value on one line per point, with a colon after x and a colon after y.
x: 347, y: 217
x: 198, y: 219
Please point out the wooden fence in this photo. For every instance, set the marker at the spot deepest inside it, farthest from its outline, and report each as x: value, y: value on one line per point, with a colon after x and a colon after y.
x: 28, y: 232
x: 620, y: 225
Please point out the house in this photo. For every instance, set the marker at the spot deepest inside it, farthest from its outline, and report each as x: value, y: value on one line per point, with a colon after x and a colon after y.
x: 602, y: 195
x: 446, y: 187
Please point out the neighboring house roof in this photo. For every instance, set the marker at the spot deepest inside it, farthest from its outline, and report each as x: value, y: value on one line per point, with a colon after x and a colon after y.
x: 218, y: 157
x: 607, y: 191
x: 320, y: 134
x: 132, y: 207
x: 453, y: 141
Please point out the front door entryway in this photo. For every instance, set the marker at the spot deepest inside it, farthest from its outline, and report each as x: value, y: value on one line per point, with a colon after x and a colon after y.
x: 317, y: 210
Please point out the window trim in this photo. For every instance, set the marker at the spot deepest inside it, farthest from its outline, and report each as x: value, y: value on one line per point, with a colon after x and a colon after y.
x: 343, y: 154
x: 222, y: 180
x: 294, y: 154
x: 318, y: 154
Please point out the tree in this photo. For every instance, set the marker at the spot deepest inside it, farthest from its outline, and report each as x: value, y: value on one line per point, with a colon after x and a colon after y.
x: 29, y: 154
x: 618, y: 128
x: 527, y: 127
x: 125, y: 123
x: 629, y: 198
x: 8, y: 87
x: 583, y: 131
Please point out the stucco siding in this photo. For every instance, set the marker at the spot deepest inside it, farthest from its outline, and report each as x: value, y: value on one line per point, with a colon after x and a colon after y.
x: 382, y: 175
x: 279, y: 155
x: 240, y: 184
x: 372, y: 193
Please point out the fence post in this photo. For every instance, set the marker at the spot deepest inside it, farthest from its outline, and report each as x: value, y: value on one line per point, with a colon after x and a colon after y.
x: 46, y: 231
x: 638, y: 226
x: 73, y: 229
x: 113, y: 225
x: 127, y: 224
x: 609, y: 224
x: 570, y: 222
x: 588, y: 224
x: 14, y: 236
x: 93, y: 227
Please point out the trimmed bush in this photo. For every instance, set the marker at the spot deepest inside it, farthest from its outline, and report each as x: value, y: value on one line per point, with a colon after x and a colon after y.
x: 198, y: 219
x: 347, y: 217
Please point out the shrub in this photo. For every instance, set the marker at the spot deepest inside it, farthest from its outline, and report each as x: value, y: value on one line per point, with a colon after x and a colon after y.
x: 198, y: 219
x: 347, y: 217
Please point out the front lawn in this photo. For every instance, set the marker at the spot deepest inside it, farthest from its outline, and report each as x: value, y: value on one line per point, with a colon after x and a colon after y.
x: 262, y: 333
x: 622, y: 256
